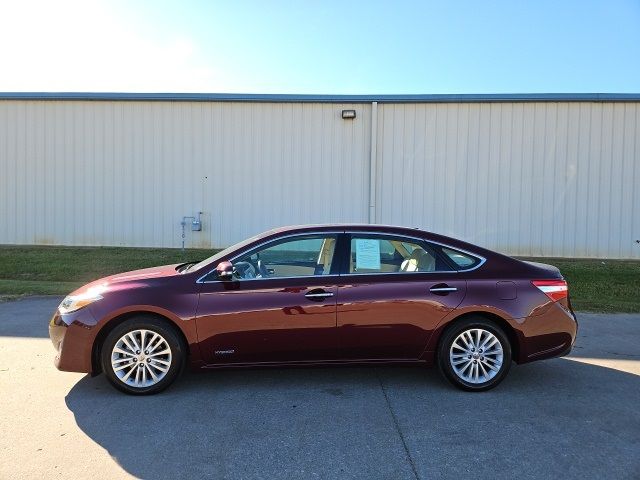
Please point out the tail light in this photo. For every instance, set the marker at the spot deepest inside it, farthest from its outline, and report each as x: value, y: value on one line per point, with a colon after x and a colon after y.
x: 554, y: 289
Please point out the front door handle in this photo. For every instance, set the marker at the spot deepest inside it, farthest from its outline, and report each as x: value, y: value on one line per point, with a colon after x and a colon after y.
x: 318, y: 295
x: 442, y: 289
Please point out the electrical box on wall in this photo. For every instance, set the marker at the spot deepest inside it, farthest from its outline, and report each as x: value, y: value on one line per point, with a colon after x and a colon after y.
x: 196, y: 225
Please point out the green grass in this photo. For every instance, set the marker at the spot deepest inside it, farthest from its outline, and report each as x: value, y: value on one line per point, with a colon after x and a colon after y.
x: 594, y: 285
x: 45, y: 270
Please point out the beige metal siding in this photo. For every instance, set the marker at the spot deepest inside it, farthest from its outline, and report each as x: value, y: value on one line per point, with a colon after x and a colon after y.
x: 554, y: 179
x: 540, y: 178
x: 125, y: 173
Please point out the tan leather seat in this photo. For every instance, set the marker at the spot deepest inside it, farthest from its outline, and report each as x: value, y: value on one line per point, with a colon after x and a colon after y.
x: 419, y: 261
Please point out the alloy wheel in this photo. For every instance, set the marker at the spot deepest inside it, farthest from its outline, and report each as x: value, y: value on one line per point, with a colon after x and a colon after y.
x: 476, y: 355
x: 141, y: 358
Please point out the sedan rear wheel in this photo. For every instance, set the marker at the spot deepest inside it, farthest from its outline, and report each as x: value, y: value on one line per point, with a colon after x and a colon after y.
x: 142, y: 355
x: 474, y: 354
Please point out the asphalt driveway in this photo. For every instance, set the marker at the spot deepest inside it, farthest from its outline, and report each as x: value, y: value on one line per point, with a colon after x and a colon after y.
x: 575, y: 417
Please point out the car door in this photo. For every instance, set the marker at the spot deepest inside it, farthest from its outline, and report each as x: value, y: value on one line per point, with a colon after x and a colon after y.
x: 393, y: 293
x: 279, y: 307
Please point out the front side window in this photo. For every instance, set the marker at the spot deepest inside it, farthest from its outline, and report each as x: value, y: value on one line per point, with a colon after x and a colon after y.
x: 371, y: 254
x: 299, y: 257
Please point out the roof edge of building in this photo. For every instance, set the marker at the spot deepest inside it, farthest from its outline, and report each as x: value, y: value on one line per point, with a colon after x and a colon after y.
x: 294, y: 98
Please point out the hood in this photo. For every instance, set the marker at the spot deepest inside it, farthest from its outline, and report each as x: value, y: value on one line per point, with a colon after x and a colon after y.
x: 134, y: 277
x: 143, y: 274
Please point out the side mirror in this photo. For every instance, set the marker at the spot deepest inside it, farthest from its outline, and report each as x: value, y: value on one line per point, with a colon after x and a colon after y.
x: 224, y: 270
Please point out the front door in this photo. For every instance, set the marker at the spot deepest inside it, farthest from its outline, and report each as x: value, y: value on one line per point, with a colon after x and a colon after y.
x: 280, y: 306
x: 393, y: 294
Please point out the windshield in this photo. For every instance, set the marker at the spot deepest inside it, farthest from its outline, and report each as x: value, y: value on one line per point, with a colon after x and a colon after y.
x: 222, y: 253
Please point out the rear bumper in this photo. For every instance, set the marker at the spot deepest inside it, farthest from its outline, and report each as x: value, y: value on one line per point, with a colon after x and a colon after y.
x: 72, y: 340
x: 551, y: 334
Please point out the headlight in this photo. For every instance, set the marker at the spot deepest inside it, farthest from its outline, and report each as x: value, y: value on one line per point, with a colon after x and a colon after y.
x: 71, y: 303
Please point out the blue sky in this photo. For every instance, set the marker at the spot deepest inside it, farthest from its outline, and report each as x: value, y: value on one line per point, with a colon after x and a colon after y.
x: 329, y: 47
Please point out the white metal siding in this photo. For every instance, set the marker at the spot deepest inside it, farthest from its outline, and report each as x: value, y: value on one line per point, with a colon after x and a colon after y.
x: 125, y: 173
x: 543, y: 178
x: 552, y: 179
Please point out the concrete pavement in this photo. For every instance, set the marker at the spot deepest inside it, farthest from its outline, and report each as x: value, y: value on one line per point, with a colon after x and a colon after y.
x: 575, y: 417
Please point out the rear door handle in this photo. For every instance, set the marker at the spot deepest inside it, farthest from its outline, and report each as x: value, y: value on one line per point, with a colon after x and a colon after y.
x: 318, y: 295
x: 442, y: 289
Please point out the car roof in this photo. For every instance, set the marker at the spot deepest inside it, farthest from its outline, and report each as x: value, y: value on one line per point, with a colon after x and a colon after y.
x: 376, y: 228
x: 366, y: 227
x: 346, y: 226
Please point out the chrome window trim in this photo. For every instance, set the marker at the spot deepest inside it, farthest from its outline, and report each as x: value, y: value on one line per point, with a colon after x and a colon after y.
x: 353, y: 232
x: 356, y: 274
x: 331, y: 276
x: 266, y: 242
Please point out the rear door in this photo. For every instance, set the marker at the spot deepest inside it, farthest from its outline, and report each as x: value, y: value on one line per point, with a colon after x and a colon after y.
x: 393, y: 292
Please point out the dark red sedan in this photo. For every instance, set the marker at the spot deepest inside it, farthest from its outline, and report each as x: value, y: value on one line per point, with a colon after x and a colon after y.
x: 311, y: 295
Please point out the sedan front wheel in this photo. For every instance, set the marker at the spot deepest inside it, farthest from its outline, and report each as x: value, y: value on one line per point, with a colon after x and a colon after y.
x: 142, y: 356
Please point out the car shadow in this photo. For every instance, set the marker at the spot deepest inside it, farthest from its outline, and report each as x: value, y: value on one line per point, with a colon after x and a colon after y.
x: 347, y: 422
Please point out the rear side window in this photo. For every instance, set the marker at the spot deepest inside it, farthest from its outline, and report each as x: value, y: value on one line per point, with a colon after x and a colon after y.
x: 389, y: 254
x: 463, y: 261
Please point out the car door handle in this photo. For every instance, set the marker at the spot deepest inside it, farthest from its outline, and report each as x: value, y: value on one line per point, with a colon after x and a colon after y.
x: 442, y: 289
x: 318, y: 295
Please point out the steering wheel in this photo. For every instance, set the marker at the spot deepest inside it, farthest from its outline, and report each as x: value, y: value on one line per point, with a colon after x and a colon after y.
x: 264, y: 273
x: 245, y: 270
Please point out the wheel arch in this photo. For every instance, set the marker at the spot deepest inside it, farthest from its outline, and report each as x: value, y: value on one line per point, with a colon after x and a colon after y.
x: 510, y: 331
x: 96, y: 367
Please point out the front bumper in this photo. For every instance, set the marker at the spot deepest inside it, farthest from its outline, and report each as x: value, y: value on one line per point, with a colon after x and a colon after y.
x: 72, y: 336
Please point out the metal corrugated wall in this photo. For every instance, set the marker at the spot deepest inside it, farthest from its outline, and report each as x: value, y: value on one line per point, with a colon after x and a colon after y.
x: 539, y: 178
x: 549, y: 179
x: 125, y: 173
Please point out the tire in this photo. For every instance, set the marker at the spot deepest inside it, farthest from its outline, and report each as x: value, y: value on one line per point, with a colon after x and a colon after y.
x: 139, y: 373
x: 460, y: 363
